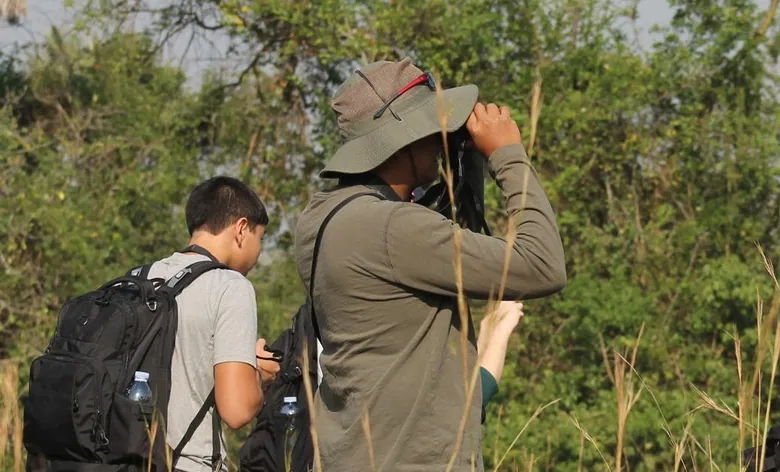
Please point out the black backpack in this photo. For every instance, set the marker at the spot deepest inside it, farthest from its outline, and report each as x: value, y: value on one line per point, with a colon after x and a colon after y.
x: 76, y: 415
x: 263, y: 450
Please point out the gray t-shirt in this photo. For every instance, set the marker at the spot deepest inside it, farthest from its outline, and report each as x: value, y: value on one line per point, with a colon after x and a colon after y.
x: 217, y: 323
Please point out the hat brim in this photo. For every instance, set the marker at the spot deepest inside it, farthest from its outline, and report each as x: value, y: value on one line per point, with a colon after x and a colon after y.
x: 367, y: 152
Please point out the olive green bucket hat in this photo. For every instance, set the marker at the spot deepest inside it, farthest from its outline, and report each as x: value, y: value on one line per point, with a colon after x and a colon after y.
x: 388, y: 105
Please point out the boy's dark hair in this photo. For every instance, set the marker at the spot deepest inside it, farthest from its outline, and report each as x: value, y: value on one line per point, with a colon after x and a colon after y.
x: 218, y: 202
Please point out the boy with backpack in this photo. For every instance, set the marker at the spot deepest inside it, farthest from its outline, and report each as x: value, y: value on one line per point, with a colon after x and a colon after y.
x: 187, y: 323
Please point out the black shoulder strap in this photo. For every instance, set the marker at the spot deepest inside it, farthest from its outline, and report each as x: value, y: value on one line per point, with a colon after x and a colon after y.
x: 318, y: 242
x: 175, y: 285
x: 186, y: 276
x: 140, y: 271
x: 143, y: 270
x: 215, y: 425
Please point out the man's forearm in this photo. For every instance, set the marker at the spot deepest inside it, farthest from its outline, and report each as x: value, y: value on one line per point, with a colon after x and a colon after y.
x: 536, y: 265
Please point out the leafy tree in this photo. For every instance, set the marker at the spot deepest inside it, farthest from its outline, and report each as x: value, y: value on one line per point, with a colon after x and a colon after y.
x: 661, y: 165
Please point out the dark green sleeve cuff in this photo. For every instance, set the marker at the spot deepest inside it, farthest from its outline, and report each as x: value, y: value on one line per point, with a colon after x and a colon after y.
x: 489, y: 385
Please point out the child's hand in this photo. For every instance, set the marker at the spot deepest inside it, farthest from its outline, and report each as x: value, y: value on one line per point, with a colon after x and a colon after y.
x: 508, y: 314
x: 500, y: 323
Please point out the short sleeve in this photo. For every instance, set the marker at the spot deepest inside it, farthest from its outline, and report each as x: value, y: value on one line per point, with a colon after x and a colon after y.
x: 235, y: 324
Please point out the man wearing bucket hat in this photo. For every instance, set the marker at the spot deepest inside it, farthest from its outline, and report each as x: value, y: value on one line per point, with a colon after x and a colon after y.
x: 385, y: 286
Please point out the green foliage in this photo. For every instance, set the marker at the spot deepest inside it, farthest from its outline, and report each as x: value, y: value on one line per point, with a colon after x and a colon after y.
x: 661, y: 165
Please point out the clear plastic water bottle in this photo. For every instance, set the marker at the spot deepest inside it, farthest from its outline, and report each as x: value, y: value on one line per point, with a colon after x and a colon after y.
x: 139, y: 390
x: 290, y: 412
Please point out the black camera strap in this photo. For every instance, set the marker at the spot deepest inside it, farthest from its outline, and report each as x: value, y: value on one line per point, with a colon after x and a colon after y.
x: 199, y: 250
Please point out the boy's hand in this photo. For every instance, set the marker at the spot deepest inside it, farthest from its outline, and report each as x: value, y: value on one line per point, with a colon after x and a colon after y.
x: 268, y: 369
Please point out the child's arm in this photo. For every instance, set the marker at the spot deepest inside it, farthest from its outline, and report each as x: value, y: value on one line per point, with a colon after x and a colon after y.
x: 492, y: 343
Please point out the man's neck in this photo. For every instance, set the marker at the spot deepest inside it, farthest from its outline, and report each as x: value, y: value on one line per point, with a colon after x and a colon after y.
x: 402, y: 189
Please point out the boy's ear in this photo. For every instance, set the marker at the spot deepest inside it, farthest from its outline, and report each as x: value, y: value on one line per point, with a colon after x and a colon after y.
x: 242, y: 227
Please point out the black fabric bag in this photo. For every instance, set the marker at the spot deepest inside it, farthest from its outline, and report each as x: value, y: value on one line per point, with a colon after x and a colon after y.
x: 76, y: 415
x: 264, y: 447
x: 263, y: 450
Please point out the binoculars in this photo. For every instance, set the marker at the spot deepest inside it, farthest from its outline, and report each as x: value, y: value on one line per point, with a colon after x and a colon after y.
x: 468, y: 184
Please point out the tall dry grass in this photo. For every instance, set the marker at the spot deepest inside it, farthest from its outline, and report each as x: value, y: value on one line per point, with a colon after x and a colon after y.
x: 11, y: 445
x: 621, y: 373
x: 471, y: 374
x: 312, y: 414
x: 752, y: 417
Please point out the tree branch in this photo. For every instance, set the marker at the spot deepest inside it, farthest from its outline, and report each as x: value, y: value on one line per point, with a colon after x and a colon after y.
x: 252, y: 65
x: 770, y: 16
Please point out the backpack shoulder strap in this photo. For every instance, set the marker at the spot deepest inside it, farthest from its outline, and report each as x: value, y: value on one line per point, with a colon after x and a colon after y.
x: 175, y: 285
x: 141, y: 272
x: 318, y: 243
x: 187, y: 275
x: 215, y: 426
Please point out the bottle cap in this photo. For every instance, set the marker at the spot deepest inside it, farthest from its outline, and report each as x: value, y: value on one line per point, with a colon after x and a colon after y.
x: 290, y: 400
x: 141, y: 376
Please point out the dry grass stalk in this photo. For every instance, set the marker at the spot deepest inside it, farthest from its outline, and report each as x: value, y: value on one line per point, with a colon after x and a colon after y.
x: 536, y: 413
x: 11, y: 426
x: 153, y: 428
x: 464, y: 418
x: 769, y: 267
x: 709, y: 454
x: 749, y: 414
x: 665, y: 424
x: 457, y: 259
x: 679, y: 447
x: 531, y: 463
x: 711, y: 404
x: 367, y: 434
x: 5, y: 414
x: 534, y: 112
x: 498, y: 433
x: 775, y: 359
x: 310, y: 402
x: 620, y: 373
x: 740, y: 395
x: 584, y: 433
x: 694, y: 445
x: 151, y: 431
x: 764, y: 345
x: 168, y: 459
x: 536, y: 108
x: 463, y: 311
x: 13, y: 10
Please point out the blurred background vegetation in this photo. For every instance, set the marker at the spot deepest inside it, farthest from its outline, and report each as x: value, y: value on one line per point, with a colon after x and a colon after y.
x: 661, y: 163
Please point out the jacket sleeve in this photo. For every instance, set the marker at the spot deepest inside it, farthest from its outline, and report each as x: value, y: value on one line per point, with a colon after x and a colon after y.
x: 421, y: 243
